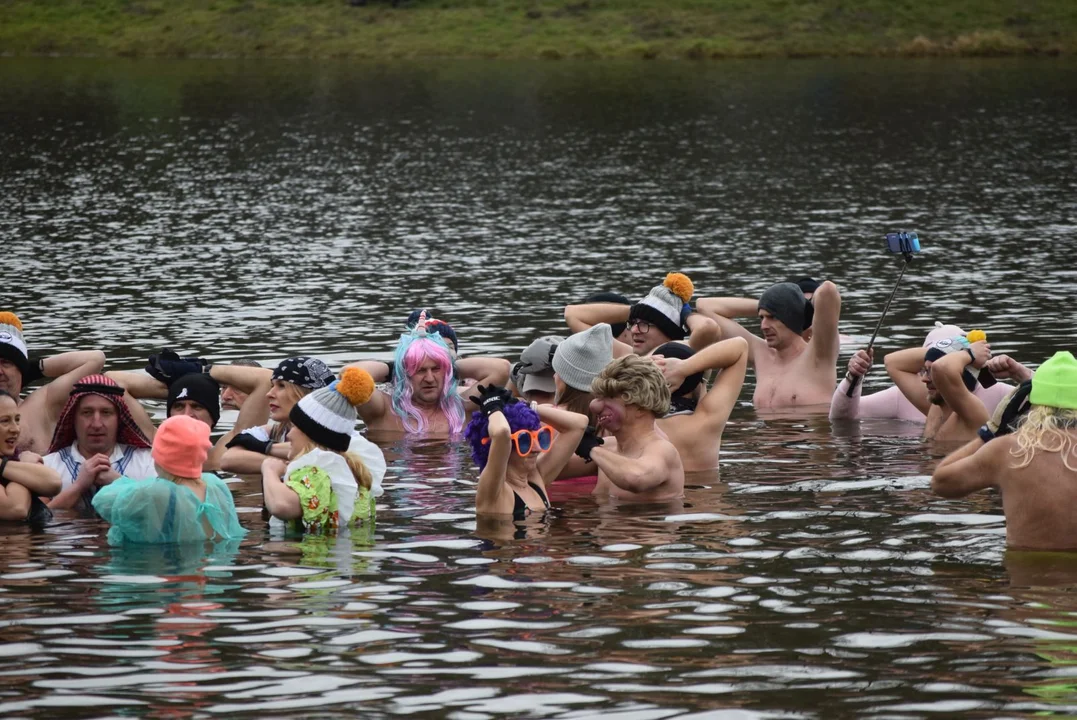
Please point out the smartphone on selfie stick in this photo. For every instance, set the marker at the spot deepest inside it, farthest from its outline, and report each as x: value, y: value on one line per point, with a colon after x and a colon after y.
x: 905, y: 244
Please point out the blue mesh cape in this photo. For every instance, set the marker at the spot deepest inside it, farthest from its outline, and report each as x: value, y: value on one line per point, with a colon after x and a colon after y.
x: 160, y: 511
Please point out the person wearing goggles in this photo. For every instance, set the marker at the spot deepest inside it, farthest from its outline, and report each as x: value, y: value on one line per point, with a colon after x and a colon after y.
x: 518, y: 448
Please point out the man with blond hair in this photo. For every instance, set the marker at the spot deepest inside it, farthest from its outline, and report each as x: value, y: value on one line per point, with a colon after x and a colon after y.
x: 636, y: 462
x: 1034, y: 467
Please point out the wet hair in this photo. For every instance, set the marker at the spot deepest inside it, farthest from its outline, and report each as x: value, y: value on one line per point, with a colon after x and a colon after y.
x: 1047, y: 429
x: 411, y: 352
x: 520, y: 417
x: 636, y: 381
x: 246, y: 363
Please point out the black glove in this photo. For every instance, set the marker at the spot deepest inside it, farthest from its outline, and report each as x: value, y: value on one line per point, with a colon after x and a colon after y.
x: 588, y: 442
x: 1004, y: 420
x: 492, y: 398
x: 168, y: 367
x: 249, y: 442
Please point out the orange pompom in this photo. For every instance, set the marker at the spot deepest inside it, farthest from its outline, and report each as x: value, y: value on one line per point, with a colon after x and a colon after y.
x: 976, y: 336
x: 10, y: 318
x: 681, y: 286
x: 356, y: 385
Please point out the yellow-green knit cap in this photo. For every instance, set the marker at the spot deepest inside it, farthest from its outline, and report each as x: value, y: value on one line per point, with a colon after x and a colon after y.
x: 1054, y: 383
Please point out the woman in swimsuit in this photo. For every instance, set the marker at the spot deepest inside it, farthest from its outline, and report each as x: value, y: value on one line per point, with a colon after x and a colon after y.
x: 518, y: 449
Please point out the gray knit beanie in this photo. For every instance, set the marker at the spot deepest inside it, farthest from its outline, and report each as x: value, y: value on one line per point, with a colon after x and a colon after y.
x: 581, y: 357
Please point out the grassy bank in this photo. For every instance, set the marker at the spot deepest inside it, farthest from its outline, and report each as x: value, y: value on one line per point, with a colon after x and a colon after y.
x: 697, y: 29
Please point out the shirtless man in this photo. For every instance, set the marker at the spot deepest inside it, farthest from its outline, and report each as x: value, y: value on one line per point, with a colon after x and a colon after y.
x: 636, y: 463
x: 662, y: 316
x: 789, y: 370
x: 890, y: 403
x: 938, y: 382
x: 426, y: 396
x: 1035, y: 468
x: 695, y: 426
x: 41, y: 410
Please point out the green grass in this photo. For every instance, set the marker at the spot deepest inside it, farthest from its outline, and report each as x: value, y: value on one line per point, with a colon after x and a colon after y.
x: 696, y: 29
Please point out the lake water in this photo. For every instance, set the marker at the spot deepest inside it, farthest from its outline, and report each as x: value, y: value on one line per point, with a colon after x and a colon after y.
x: 265, y: 209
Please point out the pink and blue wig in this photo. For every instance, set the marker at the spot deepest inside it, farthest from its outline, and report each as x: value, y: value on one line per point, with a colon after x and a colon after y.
x: 520, y: 417
x: 412, y: 351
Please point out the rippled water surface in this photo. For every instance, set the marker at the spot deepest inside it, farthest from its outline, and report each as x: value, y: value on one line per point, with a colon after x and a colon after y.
x: 267, y: 209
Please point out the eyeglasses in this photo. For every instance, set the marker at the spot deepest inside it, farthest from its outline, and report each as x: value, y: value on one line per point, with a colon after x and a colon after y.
x: 529, y: 441
x: 643, y: 325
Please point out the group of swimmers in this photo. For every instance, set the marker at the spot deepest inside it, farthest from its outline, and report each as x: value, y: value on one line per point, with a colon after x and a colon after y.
x: 637, y: 395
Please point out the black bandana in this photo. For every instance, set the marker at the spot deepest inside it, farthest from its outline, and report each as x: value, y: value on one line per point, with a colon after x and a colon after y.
x: 306, y: 372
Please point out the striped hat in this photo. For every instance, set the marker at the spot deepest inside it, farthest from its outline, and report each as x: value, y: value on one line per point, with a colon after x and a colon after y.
x: 128, y: 432
x: 327, y: 416
x: 12, y: 344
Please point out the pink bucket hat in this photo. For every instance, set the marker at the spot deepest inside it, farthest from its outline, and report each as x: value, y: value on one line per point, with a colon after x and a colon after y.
x: 181, y: 446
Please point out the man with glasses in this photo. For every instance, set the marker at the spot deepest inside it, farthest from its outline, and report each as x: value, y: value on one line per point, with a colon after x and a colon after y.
x: 791, y: 370
x: 664, y: 315
x: 937, y: 380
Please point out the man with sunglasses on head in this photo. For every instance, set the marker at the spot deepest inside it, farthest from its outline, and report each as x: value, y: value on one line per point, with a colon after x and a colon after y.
x: 793, y: 368
x: 663, y: 316
x: 636, y: 463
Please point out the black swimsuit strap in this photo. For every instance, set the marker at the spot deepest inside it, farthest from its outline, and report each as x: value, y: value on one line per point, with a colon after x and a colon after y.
x: 519, y: 506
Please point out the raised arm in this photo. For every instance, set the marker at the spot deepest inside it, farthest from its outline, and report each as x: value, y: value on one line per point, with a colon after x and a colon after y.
x: 970, y: 468
x: 713, y: 308
x: 139, y: 385
x: 254, y: 412
x: 946, y: 374
x: 249, y: 380
x: 580, y: 317
x: 379, y: 370
x: 636, y: 475
x: 570, y: 427
x: 825, y: 341
x: 703, y: 331
x: 731, y: 357
x: 904, y: 368
x: 841, y: 405
x: 492, y: 477
x: 484, y: 371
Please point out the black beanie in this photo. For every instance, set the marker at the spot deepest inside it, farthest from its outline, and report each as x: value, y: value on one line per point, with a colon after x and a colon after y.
x: 785, y: 301
x: 200, y: 388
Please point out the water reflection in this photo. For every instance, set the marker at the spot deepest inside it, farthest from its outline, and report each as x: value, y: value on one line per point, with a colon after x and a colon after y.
x: 273, y: 209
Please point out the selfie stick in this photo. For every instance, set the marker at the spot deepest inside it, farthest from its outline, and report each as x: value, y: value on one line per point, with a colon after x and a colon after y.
x: 906, y: 252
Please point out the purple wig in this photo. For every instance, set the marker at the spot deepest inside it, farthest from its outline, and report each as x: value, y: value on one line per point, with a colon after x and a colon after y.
x: 520, y: 417
x: 413, y: 350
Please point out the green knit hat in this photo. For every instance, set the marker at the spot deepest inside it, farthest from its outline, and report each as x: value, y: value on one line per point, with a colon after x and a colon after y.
x: 1054, y: 383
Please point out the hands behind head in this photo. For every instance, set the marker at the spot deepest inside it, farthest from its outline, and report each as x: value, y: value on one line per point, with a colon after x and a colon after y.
x: 860, y: 363
x: 492, y: 398
x: 167, y: 366
x: 672, y: 370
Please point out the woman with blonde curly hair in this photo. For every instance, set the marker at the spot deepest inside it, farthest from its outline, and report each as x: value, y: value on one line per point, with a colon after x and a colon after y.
x: 1035, y: 466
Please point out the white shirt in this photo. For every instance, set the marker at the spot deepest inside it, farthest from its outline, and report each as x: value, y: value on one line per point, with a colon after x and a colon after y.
x: 135, y: 463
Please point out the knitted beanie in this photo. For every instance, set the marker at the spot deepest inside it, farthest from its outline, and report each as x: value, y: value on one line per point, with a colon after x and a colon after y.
x: 200, y: 388
x: 327, y: 416
x: 580, y: 357
x: 12, y: 344
x: 181, y: 446
x: 666, y: 306
x: 785, y: 301
x: 1054, y: 383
